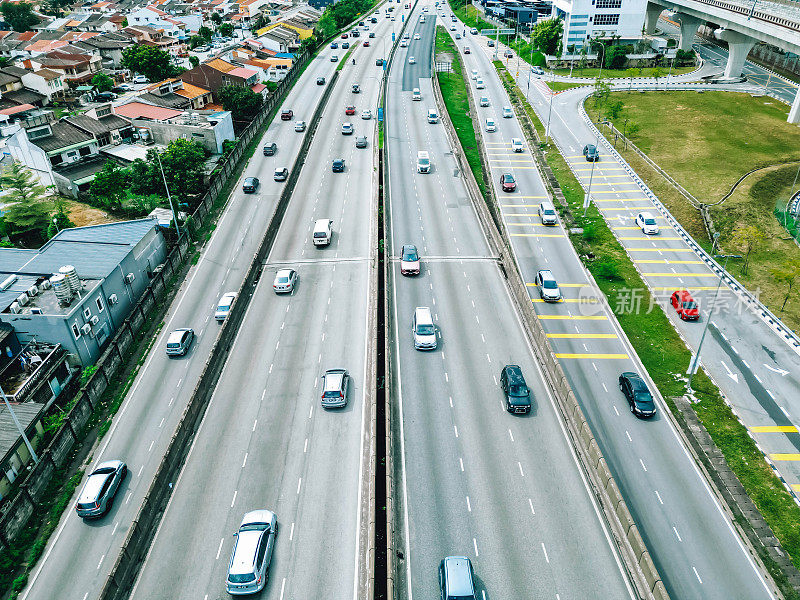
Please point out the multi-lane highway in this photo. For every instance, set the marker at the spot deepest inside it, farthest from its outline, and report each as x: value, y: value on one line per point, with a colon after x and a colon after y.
x: 690, y: 538
x: 504, y: 490
x: 80, y: 555
x: 265, y: 442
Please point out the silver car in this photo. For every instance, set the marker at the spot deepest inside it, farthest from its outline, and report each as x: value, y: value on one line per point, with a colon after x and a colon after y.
x: 224, y: 306
x: 179, y: 341
x: 284, y: 281
x: 548, y: 286
x: 100, y: 488
x: 334, y: 388
x: 252, y: 553
x: 299, y: 126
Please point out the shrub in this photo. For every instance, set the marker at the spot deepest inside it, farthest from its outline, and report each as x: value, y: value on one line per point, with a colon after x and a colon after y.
x: 608, y: 270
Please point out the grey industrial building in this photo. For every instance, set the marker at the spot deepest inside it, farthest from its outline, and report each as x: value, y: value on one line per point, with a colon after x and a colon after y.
x: 81, y: 285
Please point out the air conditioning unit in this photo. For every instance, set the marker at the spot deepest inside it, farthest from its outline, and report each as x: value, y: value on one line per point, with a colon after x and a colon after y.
x: 112, y: 299
x: 32, y: 291
x: 94, y: 320
x: 129, y: 278
x: 45, y: 285
x: 14, y: 308
x: 36, y: 311
x: 23, y: 299
x: 86, y: 329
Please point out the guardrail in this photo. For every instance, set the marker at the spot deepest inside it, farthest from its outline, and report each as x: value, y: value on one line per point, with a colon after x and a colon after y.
x: 636, y: 559
x: 143, y: 528
x: 773, y: 322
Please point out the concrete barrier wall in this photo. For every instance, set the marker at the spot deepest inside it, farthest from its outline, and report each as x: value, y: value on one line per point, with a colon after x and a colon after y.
x: 639, y: 566
x: 144, y: 525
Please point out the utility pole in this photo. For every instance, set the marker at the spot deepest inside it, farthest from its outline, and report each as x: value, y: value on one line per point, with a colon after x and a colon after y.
x: 19, y: 428
x: 171, y: 205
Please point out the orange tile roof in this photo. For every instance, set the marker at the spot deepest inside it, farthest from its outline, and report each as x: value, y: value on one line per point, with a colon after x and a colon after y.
x: 45, y: 45
x: 221, y: 65
x: 191, y: 91
x: 138, y: 110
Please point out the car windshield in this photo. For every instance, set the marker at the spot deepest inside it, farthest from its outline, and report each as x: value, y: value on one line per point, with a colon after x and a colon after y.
x: 409, y: 254
x: 644, y: 400
x: 509, y: 178
x: 283, y: 280
x: 550, y: 284
x: 254, y: 527
x: 518, y: 390
x: 689, y: 305
x: 650, y: 221
x: 425, y: 329
x: 549, y: 211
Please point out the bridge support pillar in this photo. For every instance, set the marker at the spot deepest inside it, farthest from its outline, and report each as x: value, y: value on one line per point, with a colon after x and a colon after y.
x: 651, y: 17
x: 739, y: 46
x: 794, y: 112
x: 689, y: 27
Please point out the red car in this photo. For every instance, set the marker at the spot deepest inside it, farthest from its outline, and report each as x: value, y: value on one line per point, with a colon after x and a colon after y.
x: 287, y: 114
x: 507, y: 182
x: 349, y: 110
x: 365, y: 44
x: 684, y: 305
x: 344, y: 36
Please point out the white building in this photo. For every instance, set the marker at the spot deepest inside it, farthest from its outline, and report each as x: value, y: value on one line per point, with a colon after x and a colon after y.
x: 586, y: 19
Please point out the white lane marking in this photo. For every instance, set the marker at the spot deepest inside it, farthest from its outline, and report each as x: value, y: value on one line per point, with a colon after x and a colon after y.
x: 519, y: 464
x: 254, y: 424
x: 678, y: 535
x: 659, y: 497
x: 220, y: 547
x: 139, y: 474
x: 697, y: 575
x: 283, y: 586
x: 299, y: 481
x: 475, y: 545
x: 151, y: 445
x: 455, y: 429
x: 101, y: 561
x: 547, y: 558
x: 605, y: 388
x: 511, y: 435
x: 642, y: 463
x: 244, y: 462
x: 461, y: 462
x: 305, y: 446
x: 291, y: 532
x: 530, y: 503
x: 233, y: 500
x: 615, y: 410
x: 629, y: 435
x: 469, y: 506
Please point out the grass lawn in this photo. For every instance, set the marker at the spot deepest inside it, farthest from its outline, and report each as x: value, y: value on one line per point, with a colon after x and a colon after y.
x: 718, y: 133
x: 456, y: 100
x: 560, y: 86
x: 666, y: 358
x: 614, y: 73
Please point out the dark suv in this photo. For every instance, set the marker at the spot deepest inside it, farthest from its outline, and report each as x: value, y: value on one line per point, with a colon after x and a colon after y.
x: 338, y: 165
x: 636, y: 393
x: 518, y: 396
x: 287, y: 114
x: 591, y: 153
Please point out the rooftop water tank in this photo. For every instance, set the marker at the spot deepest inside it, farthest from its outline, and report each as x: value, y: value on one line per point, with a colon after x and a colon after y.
x: 71, y: 274
x: 61, y: 288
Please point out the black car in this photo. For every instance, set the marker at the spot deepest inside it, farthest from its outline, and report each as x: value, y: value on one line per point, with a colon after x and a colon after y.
x: 355, y: 33
x: 270, y: 148
x: 334, y: 46
x: 638, y: 396
x: 591, y: 153
x: 518, y: 396
x: 287, y: 114
x: 320, y: 81
x: 345, y: 45
x: 378, y: 62
x: 338, y: 165
x: 250, y: 185
x: 371, y: 34
x: 281, y: 174
x: 105, y: 97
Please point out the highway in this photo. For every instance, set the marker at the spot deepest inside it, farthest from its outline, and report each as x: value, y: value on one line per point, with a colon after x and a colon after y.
x: 504, y: 490
x: 689, y: 537
x: 80, y: 554
x: 265, y: 442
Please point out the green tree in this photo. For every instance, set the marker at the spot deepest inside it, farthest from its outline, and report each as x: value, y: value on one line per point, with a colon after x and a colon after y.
x: 196, y: 41
x: 149, y: 61
x: 602, y: 90
x: 19, y: 15
x: 27, y: 212
x: 226, y: 29
x: 110, y: 185
x: 183, y: 162
x: 260, y: 22
x: 631, y: 73
x: 216, y: 18
x: 616, y: 56
x: 145, y: 177
x: 205, y: 33
x: 194, y: 61
x: 326, y: 26
x: 787, y: 274
x: 546, y: 35
x: 747, y: 238
x: 102, y: 82
x: 243, y: 102
x: 658, y: 72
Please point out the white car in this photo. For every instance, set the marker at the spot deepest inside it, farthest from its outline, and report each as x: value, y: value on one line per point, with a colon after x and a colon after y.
x: 507, y: 112
x: 416, y: 36
x: 284, y: 281
x: 404, y: 44
x: 347, y: 128
x: 474, y: 74
x: 224, y: 306
x: 647, y: 223
x: 299, y: 125
x: 452, y: 27
x: 484, y: 101
x: 366, y: 114
x: 479, y: 84
x: 412, y: 60
x: 516, y: 145
x: 490, y: 126
x: 139, y: 79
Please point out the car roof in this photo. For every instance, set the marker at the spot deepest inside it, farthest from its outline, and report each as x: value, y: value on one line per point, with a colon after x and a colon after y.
x: 176, y: 335
x: 91, y: 490
x: 227, y: 298
x: 243, y: 559
x: 333, y: 379
x: 514, y: 374
x: 546, y: 274
x: 546, y: 205
x: 458, y: 576
x: 636, y: 381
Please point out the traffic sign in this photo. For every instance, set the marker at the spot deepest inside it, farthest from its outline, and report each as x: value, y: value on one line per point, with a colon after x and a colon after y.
x: 491, y: 32
x: 380, y: 114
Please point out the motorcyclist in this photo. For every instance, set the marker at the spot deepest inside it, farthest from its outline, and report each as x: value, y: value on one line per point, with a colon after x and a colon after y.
x: 354, y: 61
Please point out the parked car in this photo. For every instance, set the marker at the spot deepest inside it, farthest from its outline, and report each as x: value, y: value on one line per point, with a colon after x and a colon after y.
x: 647, y: 223
x: 252, y: 553
x: 636, y: 393
x: 284, y: 281
x: 334, y: 388
x: 548, y: 286
x: 300, y: 126
x: 338, y: 165
x: 518, y: 396
x: 281, y: 174
x: 179, y: 341
x: 224, y: 306
x: 347, y: 129
x: 250, y: 185
x: 270, y: 148
x: 101, y: 486
x: 591, y: 153
x: 507, y: 182
x: 287, y: 114
x: 361, y: 141
x: 139, y: 79
x: 409, y: 260
x: 684, y: 305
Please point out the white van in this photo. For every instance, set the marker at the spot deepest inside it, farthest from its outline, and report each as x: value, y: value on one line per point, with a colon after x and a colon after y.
x: 415, y: 94
x: 322, y: 232
x: 433, y: 116
x: 423, y: 329
x: 224, y: 306
x: 423, y: 162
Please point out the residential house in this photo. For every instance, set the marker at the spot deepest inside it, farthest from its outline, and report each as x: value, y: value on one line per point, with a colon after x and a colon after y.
x: 279, y: 39
x: 110, y: 46
x: 74, y: 68
x: 149, y: 36
x: 101, y: 122
x: 87, y: 281
x: 48, y: 83
x: 213, y: 78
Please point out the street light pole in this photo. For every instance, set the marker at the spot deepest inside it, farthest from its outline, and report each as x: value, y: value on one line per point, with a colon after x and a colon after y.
x: 550, y: 110
x: 19, y: 428
x: 171, y: 205
x: 696, y: 360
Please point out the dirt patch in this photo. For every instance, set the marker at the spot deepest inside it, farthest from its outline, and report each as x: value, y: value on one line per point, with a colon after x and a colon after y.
x: 444, y: 57
x: 82, y: 214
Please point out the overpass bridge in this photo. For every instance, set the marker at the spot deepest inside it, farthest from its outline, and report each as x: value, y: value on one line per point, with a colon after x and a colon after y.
x: 741, y: 23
